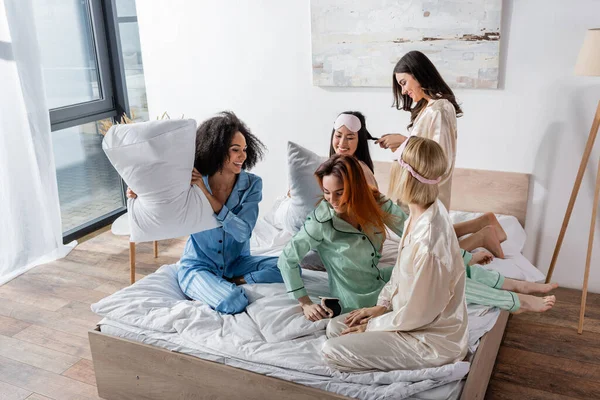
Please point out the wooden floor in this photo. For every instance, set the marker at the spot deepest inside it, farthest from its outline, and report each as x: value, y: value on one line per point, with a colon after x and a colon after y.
x: 543, y: 357
x: 45, y: 317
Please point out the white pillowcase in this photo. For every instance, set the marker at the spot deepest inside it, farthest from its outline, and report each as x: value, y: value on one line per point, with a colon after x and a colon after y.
x: 304, y: 188
x: 155, y: 159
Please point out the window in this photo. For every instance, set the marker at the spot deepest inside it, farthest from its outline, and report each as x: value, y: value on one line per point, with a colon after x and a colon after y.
x: 79, y: 76
x: 89, y: 188
x: 92, y: 66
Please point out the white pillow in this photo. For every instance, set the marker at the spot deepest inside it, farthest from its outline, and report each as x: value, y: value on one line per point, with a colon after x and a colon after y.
x: 155, y: 159
x: 304, y: 188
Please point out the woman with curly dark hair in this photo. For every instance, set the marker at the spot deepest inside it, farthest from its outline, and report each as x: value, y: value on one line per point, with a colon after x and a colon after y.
x: 216, y: 261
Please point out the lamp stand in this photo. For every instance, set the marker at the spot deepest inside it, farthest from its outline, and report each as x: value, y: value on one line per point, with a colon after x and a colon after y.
x: 584, y: 160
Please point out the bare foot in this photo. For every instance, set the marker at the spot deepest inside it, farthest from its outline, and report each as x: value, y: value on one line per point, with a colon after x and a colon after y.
x: 492, y: 220
x: 490, y: 241
x: 535, y: 304
x: 525, y: 287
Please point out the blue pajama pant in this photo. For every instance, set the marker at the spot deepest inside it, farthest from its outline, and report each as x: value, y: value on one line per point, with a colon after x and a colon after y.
x: 207, y: 284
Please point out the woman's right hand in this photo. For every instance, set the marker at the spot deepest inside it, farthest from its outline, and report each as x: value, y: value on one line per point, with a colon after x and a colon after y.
x: 391, y: 141
x: 363, y: 315
x: 130, y: 194
x: 315, y: 312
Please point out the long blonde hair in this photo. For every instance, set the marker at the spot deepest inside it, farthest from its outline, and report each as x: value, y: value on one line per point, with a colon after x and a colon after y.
x: 427, y: 158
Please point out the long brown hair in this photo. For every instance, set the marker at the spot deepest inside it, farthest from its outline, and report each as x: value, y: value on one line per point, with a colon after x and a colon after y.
x: 360, y: 199
x: 422, y: 69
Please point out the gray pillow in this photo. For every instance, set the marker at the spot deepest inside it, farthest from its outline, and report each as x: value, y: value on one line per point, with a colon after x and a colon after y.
x: 305, y: 191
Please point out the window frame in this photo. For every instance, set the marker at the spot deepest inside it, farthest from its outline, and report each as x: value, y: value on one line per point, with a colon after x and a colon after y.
x: 114, y: 102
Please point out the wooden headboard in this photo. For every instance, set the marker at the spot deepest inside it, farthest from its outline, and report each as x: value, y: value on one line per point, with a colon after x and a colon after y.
x: 478, y: 190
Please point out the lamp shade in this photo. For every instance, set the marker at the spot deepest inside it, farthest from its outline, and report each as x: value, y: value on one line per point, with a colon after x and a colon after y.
x: 588, y: 62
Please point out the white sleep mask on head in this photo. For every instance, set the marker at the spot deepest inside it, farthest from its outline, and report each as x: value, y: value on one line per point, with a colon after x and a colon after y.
x: 350, y: 121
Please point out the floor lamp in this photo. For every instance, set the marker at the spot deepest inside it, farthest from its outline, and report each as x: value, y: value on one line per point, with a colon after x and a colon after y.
x: 588, y: 64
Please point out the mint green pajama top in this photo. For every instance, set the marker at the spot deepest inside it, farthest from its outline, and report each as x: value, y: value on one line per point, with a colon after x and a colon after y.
x: 349, y: 255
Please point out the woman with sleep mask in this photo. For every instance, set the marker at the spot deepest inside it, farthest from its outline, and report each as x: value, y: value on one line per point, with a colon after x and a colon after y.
x: 215, y: 262
x: 350, y: 136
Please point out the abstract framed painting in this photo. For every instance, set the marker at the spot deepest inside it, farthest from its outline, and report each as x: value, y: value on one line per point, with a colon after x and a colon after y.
x: 356, y: 43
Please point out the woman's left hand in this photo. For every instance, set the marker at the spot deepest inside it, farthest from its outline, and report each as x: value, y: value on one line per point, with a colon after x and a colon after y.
x: 481, y: 257
x: 355, y: 329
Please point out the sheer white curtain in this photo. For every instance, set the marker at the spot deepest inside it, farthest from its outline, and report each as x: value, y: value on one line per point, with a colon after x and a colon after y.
x: 30, y: 224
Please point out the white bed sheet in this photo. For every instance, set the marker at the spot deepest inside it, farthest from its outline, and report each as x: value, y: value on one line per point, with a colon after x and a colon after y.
x: 273, y: 338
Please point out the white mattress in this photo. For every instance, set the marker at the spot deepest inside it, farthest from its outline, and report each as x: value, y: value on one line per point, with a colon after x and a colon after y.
x: 272, y: 336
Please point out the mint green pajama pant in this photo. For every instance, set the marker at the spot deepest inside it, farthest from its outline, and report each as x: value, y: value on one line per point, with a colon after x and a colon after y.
x: 483, y: 287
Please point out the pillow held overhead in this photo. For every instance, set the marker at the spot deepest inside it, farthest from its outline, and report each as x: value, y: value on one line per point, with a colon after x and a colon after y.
x: 155, y: 159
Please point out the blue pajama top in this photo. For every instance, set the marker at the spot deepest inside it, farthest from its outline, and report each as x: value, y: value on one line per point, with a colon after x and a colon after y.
x: 216, y: 248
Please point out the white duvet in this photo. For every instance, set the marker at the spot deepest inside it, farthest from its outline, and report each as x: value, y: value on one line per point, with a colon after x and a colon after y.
x: 272, y: 337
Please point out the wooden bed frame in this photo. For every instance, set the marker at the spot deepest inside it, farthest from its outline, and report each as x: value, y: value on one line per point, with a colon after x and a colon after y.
x: 130, y: 370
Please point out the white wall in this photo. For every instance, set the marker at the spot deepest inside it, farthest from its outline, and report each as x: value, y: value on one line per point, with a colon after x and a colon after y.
x: 254, y: 57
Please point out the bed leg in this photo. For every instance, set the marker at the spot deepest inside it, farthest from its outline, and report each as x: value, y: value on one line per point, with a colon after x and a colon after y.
x: 132, y: 262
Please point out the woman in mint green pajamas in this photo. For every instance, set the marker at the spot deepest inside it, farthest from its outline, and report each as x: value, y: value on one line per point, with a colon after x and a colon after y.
x: 350, y: 256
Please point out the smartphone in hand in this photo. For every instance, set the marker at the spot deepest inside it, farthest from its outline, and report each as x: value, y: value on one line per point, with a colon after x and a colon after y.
x: 333, y: 303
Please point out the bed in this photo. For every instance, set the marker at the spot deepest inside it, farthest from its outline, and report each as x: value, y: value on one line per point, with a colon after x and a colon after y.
x: 133, y: 363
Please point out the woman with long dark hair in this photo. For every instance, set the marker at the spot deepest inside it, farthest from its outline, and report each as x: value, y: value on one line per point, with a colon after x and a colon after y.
x: 419, y: 89
x: 350, y: 136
